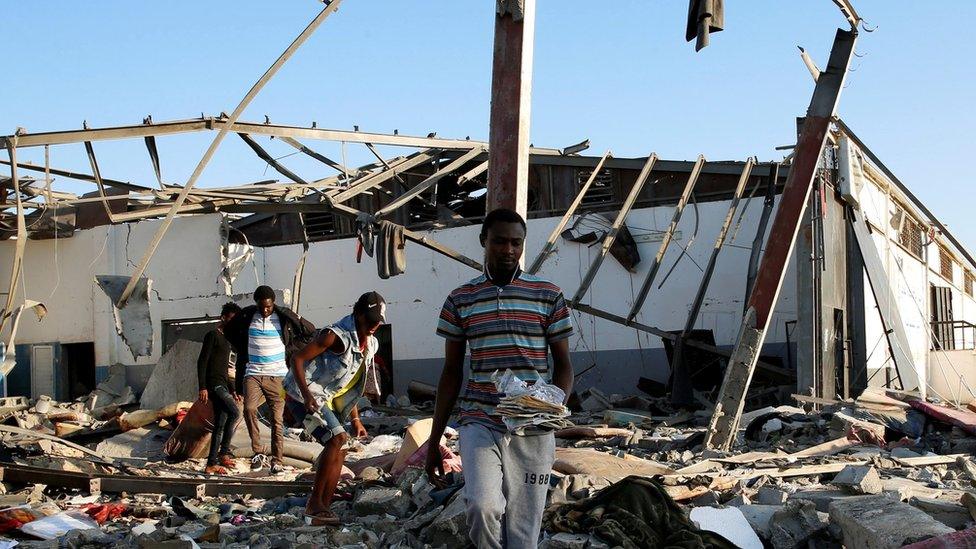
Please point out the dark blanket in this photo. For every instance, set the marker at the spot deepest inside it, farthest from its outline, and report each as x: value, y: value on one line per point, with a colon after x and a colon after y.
x: 634, y: 513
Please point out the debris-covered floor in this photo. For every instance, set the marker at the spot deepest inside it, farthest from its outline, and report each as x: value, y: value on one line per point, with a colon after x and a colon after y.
x: 884, y: 470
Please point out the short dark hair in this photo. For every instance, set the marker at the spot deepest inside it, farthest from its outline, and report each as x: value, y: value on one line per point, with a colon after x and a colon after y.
x: 230, y: 308
x: 262, y: 293
x: 501, y: 215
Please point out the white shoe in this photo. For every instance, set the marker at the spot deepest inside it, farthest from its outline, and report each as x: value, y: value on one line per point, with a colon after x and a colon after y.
x: 258, y: 462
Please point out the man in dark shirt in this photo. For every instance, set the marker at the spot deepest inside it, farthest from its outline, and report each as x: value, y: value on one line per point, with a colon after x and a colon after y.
x: 216, y: 358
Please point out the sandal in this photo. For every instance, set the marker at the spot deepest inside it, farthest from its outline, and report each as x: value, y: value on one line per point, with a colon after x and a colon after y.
x: 227, y: 460
x: 325, y: 518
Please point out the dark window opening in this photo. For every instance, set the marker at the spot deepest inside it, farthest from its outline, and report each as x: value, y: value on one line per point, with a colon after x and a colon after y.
x: 78, y: 369
x: 943, y: 327
x: 601, y: 191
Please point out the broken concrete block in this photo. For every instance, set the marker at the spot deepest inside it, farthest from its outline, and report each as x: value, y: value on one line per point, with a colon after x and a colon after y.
x: 859, y: 479
x: 821, y: 496
x: 759, y: 517
x: 902, y: 452
x: 450, y: 528
x: 951, y: 514
x: 730, y: 523
x: 739, y: 501
x: 708, y: 499
x: 880, y: 522
x: 794, y: 524
x: 842, y: 424
x: 904, y: 489
x: 380, y: 500
x: 568, y: 541
x: 594, y: 400
x: 770, y: 495
x: 169, y: 380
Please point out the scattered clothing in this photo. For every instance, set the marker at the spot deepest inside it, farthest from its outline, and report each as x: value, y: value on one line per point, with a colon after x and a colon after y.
x: 634, y: 513
x: 507, y: 326
x: 506, y: 480
x: 704, y: 17
x: 391, y: 256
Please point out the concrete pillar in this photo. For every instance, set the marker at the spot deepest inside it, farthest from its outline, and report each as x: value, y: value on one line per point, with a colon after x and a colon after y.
x: 511, y: 99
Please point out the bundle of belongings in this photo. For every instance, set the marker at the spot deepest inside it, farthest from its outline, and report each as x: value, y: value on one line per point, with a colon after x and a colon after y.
x: 530, y: 407
x: 633, y: 513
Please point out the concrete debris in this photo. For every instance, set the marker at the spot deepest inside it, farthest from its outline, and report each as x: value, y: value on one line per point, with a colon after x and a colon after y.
x: 792, y: 483
x: 168, y: 382
x: 879, y: 522
x: 730, y: 523
x: 859, y: 479
x: 795, y: 524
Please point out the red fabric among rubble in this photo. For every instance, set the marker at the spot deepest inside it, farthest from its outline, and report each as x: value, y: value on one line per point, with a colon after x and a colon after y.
x: 107, y: 511
x: 965, y: 539
x: 963, y: 419
x: 451, y: 461
x: 12, y: 519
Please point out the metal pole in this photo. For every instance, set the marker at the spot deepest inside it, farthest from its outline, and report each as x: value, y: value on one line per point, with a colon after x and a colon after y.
x: 611, y: 235
x: 550, y: 244
x: 666, y: 241
x: 742, y: 364
x: 331, y: 7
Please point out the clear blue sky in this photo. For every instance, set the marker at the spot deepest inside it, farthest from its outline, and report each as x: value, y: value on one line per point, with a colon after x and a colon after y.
x: 618, y: 73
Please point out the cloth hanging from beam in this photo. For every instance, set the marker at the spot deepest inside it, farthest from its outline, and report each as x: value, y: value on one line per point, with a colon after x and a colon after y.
x: 391, y: 257
x: 704, y: 17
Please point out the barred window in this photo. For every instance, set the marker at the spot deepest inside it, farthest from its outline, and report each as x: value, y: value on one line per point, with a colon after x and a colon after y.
x: 601, y: 191
x: 910, y: 234
x: 968, y: 284
x: 945, y: 263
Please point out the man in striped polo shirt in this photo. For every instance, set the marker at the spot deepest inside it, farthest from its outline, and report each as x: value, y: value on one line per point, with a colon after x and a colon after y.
x: 265, y: 336
x: 511, y: 321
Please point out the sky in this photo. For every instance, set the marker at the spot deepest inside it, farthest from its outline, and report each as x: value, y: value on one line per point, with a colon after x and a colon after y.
x: 618, y: 73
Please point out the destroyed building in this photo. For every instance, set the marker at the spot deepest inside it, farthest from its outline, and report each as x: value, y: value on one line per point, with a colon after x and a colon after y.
x: 830, y: 333
x: 707, y: 296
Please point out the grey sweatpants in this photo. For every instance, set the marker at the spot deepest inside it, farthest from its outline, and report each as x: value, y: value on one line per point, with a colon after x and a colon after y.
x: 506, y: 480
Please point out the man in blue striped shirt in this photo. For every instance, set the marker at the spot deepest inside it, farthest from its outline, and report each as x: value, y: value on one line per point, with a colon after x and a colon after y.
x: 265, y: 335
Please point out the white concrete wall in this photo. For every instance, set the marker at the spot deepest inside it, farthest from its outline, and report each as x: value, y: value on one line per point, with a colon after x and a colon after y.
x: 185, y: 285
x: 333, y: 281
x: 910, y: 279
x: 184, y: 272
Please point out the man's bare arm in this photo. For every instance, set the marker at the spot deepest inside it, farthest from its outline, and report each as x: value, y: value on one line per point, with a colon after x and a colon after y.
x: 448, y: 389
x: 562, y: 366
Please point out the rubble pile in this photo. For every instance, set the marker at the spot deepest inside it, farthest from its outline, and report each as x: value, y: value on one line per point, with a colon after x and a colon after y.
x: 883, y: 470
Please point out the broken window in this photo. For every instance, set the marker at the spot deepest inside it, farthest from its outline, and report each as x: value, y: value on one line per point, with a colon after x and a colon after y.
x: 968, y: 283
x: 945, y: 263
x: 601, y: 191
x: 909, y: 233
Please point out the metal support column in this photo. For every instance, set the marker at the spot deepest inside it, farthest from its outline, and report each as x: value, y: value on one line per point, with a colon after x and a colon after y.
x: 511, y: 99
x: 742, y: 364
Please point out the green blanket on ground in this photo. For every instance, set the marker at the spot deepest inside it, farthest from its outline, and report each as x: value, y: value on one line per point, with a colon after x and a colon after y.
x: 634, y: 513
